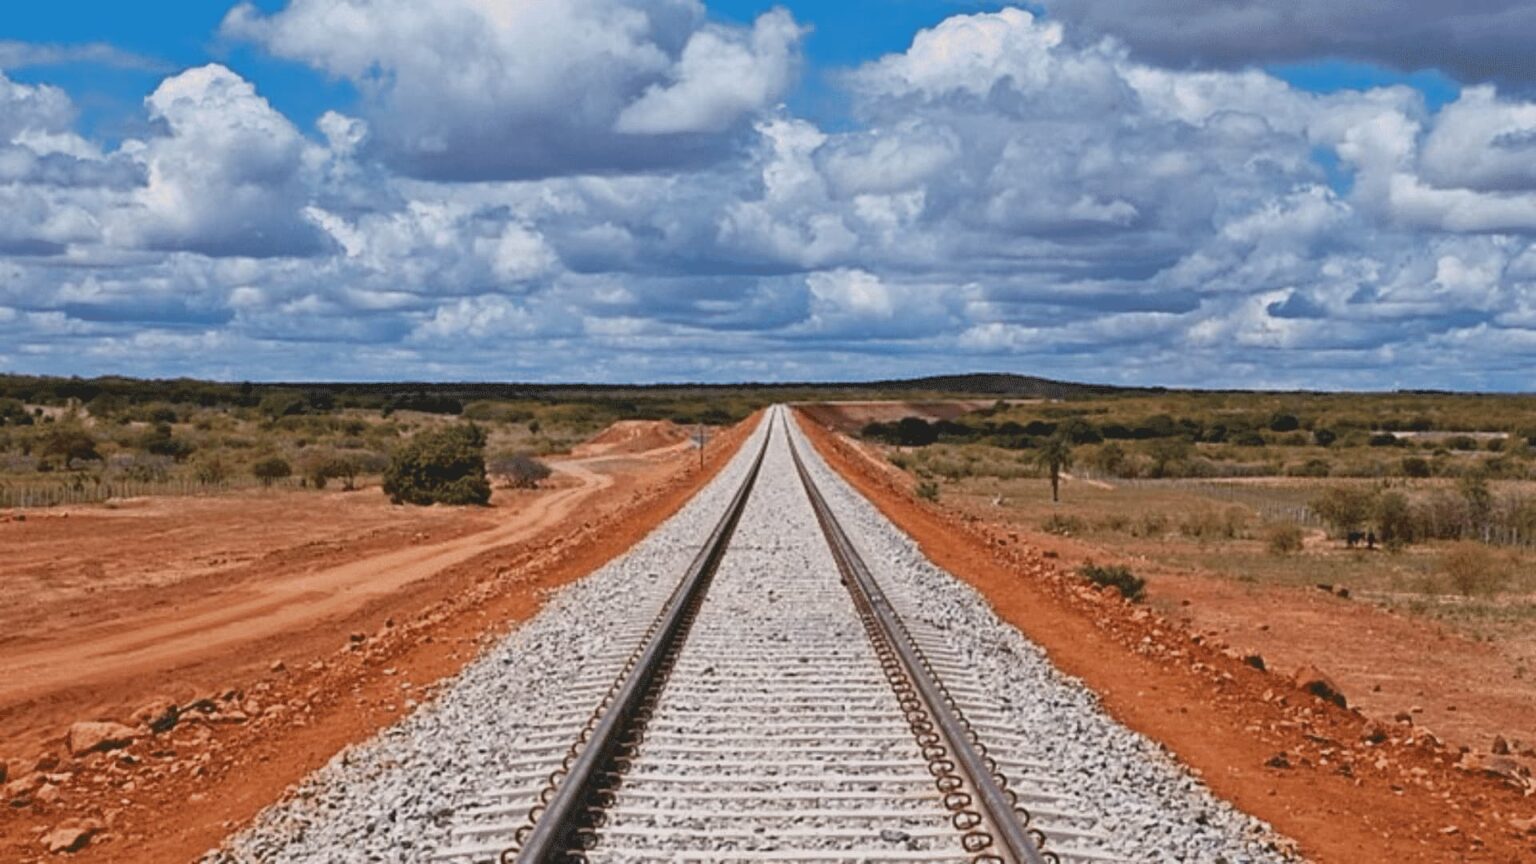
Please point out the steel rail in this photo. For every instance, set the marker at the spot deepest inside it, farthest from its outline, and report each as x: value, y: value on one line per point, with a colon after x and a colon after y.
x: 550, y: 839
x: 1020, y: 845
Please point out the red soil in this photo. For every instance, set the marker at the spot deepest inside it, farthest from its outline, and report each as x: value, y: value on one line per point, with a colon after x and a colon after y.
x: 1347, y: 788
x: 633, y: 436
x: 308, y: 648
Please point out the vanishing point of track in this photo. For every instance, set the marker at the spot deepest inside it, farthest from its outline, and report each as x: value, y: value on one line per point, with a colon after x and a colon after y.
x: 779, y: 707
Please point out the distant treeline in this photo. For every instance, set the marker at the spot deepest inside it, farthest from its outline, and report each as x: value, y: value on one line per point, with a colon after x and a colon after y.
x: 440, y: 397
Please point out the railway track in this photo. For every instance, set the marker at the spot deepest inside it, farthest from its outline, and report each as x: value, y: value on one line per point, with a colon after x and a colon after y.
x: 780, y: 704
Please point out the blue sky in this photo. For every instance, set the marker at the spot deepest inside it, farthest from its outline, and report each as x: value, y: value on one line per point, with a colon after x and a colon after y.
x: 641, y: 190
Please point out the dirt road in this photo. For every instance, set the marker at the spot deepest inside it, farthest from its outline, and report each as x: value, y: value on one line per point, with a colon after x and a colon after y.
x: 217, y: 621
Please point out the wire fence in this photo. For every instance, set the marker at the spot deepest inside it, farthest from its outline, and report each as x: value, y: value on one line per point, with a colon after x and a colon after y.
x: 1266, y: 503
x: 68, y: 491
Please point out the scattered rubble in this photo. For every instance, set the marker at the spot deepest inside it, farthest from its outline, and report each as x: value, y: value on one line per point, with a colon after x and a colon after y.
x: 1312, y: 680
x: 94, y: 736
x: 72, y: 836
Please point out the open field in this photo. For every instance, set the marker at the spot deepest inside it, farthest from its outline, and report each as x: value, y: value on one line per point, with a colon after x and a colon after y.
x: 104, y: 600
x: 1400, y: 630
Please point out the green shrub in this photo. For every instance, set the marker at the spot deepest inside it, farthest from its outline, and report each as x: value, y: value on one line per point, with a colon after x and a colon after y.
x: 1344, y: 508
x: 1284, y: 538
x: 1394, y: 520
x: 271, y: 469
x: 1415, y: 466
x: 70, y: 444
x: 927, y: 490
x: 1130, y: 586
x: 440, y: 466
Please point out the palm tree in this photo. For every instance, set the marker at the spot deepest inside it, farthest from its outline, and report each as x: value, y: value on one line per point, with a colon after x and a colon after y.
x: 1054, y: 456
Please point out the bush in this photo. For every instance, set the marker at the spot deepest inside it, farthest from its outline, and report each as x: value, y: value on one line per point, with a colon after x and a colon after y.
x: 927, y: 490
x: 440, y: 466
x: 1311, y: 468
x: 1284, y: 538
x: 1394, y: 520
x: 519, y: 470
x: 271, y: 470
x: 159, y: 441
x: 1130, y: 586
x: 915, y: 432
x: 1108, y: 460
x: 1472, y: 568
x: 69, y: 444
x: 344, y: 468
x: 1415, y: 466
x: 281, y: 403
x: 1150, y: 524
x: 1344, y: 508
x: 1119, y: 523
x: 210, y: 470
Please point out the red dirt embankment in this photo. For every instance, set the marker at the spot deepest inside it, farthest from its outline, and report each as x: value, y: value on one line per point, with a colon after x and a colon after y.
x: 628, y: 437
x: 1348, y: 789
x: 277, y: 663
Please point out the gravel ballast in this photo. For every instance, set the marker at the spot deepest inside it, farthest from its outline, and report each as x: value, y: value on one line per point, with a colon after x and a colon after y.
x: 474, y: 754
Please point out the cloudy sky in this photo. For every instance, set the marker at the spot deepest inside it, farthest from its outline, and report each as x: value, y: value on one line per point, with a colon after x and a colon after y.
x: 1178, y: 192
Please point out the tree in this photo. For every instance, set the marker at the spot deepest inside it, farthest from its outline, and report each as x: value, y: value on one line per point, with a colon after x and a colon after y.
x: 440, y: 466
x: 344, y: 468
x: 1167, y: 453
x: 1394, y: 520
x: 519, y: 470
x: 271, y: 470
x: 1109, y: 459
x: 69, y: 443
x: 915, y: 432
x: 1054, y: 456
x: 1344, y: 508
x: 1474, y: 490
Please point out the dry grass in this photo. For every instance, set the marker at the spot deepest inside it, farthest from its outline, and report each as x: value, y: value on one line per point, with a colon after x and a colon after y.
x: 1485, y: 592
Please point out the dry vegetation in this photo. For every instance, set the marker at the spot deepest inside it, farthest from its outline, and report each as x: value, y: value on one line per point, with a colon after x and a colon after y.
x: 1438, y: 490
x: 73, y: 441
